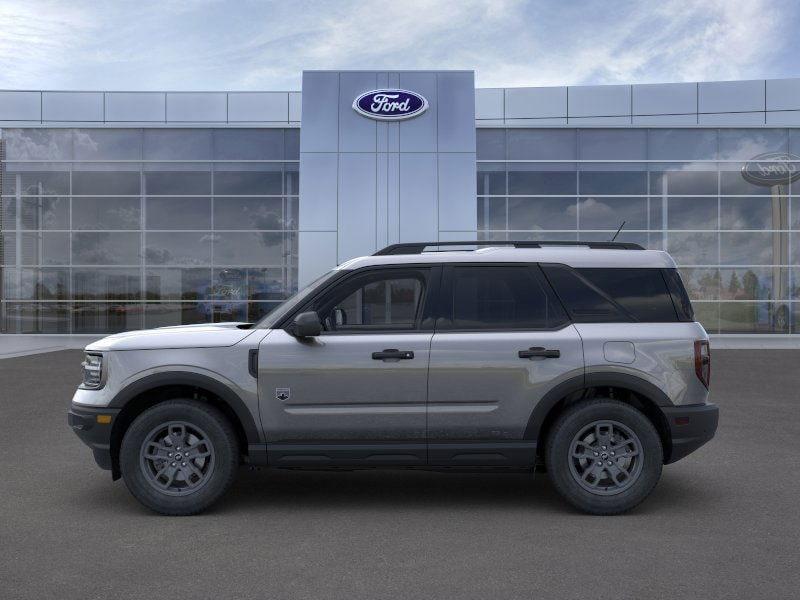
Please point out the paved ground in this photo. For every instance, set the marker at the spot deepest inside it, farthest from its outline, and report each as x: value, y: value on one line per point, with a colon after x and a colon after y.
x: 723, y: 523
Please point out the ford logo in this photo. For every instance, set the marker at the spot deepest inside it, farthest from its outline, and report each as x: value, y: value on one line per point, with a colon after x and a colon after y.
x: 772, y: 168
x: 390, y: 105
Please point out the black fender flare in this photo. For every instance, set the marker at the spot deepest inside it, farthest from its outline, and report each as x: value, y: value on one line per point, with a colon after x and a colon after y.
x: 192, y: 379
x: 581, y: 382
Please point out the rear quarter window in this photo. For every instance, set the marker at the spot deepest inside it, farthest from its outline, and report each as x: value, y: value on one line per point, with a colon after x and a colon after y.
x: 604, y: 295
x: 641, y: 292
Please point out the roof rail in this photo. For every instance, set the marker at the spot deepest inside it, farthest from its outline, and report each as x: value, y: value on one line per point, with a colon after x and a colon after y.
x: 419, y: 247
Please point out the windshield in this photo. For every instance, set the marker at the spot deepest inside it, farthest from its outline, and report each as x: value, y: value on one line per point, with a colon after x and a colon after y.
x: 293, y: 301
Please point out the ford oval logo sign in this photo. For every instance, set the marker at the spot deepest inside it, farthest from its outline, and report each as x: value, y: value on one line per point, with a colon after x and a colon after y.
x: 772, y: 168
x: 390, y: 105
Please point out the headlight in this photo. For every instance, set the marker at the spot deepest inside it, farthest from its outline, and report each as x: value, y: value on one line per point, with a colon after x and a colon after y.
x: 93, y: 371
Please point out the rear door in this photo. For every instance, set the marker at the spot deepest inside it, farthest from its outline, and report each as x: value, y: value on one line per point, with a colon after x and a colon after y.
x: 502, y: 341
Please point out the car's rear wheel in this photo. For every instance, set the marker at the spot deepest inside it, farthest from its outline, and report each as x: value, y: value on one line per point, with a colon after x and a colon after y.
x: 179, y: 457
x: 603, y: 456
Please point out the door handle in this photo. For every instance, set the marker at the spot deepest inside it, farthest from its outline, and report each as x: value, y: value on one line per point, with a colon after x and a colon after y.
x: 539, y: 352
x: 392, y: 353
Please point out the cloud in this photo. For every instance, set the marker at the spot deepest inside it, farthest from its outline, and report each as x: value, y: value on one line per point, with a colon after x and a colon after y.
x: 265, y: 45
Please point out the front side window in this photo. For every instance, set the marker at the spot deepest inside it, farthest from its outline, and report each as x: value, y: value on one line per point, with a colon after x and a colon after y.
x: 501, y: 297
x: 374, y: 302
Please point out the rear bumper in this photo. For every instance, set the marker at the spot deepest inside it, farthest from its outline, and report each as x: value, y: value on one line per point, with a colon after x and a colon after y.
x: 690, y: 427
x: 97, y: 436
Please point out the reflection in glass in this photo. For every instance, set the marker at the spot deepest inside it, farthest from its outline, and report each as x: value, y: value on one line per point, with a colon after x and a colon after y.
x: 753, y: 213
x: 701, y: 284
x: 524, y: 180
x: 106, y: 284
x: 36, y: 284
x: 35, y: 317
x: 676, y: 181
x: 104, y: 248
x: 178, y: 213
x: 176, y: 313
x: 177, y: 144
x: 747, y: 143
x: 491, y: 144
x: 541, y: 144
x: 136, y: 206
x: 249, y: 182
x: 28, y: 181
x: 178, y: 248
x: 612, y: 182
x: 106, y: 213
x: 608, y: 213
x: 492, y: 213
x: 751, y: 248
x: 249, y: 213
x: 107, y: 144
x: 177, y: 283
x: 542, y: 213
x: 249, y: 144
x: 491, y: 179
x: 251, y: 248
x: 96, y: 183
x: 707, y: 314
x: 98, y: 317
x: 693, y: 248
x: 682, y: 144
x: 612, y: 144
x: 753, y: 283
x: 733, y: 183
x: 43, y: 212
x: 754, y: 317
x: 177, y: 183
x: 690, y: 213
x: 38, y: 144
x: 45, y: 248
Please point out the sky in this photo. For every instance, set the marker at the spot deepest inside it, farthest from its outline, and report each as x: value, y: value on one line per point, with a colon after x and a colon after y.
x: 265, y: 45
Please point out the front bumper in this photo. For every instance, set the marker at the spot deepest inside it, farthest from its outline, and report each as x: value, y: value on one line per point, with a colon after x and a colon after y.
x: 96, y: 435
x: 690, y: 427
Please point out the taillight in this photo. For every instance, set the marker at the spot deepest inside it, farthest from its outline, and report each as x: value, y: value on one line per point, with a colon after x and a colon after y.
x: 702, y: 361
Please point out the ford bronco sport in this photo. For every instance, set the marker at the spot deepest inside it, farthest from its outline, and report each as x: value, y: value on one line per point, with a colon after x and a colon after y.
x: 583, y: 359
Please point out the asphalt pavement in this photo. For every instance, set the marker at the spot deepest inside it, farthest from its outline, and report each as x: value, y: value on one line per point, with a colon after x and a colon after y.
x: 722, y: 523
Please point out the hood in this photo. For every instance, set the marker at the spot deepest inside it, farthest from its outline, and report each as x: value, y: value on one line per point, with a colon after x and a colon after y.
x: 183, y: 336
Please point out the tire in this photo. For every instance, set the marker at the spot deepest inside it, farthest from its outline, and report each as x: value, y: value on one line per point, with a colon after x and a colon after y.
x: 631, y: 465
x: 156, y: 468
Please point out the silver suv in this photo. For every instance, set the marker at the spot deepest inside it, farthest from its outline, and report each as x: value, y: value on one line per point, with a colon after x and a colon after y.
x: 583, y: 359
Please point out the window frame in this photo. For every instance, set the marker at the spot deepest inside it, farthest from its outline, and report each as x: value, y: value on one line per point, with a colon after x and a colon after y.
x: 445, y: 307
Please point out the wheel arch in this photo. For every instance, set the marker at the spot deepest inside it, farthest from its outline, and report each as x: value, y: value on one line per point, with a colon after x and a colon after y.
x: 630, y: 389
x: 144, y: 393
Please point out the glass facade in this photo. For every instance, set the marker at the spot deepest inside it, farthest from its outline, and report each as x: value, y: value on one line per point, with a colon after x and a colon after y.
x: 737, y: 243
x: 105, y: 230
x: 110, y: 229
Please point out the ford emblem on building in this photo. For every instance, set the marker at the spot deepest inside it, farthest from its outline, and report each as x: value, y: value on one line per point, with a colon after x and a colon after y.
x: 772, y: 168
x: 390, y: 105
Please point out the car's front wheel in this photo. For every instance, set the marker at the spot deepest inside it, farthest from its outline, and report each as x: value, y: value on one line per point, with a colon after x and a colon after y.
x: 603, y: 456
x: 179, y: 457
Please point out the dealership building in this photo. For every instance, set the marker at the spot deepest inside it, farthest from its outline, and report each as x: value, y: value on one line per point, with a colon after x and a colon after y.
x: 124, y: 210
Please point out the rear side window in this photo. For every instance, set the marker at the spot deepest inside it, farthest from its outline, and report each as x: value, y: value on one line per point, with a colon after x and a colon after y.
x: 613, y: 295
x: 641, y: 292
x: 585, y: 303
x: 495, y: 297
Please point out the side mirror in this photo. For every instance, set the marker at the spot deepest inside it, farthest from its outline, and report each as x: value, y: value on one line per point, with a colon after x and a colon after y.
x: 306, y: 325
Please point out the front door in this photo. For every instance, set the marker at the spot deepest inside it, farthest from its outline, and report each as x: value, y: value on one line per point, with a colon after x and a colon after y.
x: 356, y: 394
x: 502, y: 342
